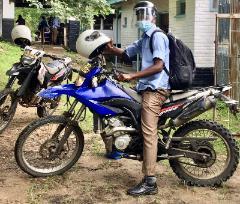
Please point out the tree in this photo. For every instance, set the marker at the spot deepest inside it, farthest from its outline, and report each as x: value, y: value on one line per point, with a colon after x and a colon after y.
x: 82, y: 10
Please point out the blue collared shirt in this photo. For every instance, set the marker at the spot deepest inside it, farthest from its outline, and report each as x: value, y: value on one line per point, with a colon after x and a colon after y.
x: 56, y: 23
x: 160, y: 50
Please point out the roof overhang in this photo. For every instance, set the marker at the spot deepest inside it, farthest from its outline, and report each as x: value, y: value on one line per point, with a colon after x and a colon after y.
x: 22, y: 3
x: 114, y: 2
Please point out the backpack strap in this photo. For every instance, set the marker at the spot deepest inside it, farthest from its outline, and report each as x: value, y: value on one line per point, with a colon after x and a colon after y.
x: 151, y: 46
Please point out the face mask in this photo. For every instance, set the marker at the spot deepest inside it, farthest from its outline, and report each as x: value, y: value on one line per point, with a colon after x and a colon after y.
x: 144, y: 26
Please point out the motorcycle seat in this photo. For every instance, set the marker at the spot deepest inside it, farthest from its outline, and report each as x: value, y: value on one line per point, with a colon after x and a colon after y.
x: 174, y: 96
x: 55, y: 67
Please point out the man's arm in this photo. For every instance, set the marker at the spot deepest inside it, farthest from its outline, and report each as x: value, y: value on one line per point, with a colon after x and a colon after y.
x: 155, y: 68
x: 159, y: 52
x: 130, y: 51
x: 111, y: 49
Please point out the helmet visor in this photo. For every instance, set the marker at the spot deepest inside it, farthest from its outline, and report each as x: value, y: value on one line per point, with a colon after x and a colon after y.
x: 144, y: 14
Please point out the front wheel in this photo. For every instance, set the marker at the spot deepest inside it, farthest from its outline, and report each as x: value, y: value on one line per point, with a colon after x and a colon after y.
x: 35, y: 148
x: 8, y: 106
x: 219, y: 144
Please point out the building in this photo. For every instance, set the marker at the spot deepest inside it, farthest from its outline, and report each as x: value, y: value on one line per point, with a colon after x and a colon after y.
x: 192, y: 21
x: 6, y: 18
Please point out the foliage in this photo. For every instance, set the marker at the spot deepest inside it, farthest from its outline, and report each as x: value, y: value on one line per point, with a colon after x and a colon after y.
x: 82, y: 10
x: 31, y: 16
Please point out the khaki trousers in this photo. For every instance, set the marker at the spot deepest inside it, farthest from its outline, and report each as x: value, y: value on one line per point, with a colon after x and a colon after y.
x: 151, y: 106
x: 54, y: 35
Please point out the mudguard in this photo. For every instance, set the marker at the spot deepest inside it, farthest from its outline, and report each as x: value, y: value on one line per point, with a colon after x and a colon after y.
x: 15, y: 70
x: 90, y: 96
x: 56, y: 91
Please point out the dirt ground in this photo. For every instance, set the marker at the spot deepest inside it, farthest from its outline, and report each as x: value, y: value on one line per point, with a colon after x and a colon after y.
x: 95, y: 179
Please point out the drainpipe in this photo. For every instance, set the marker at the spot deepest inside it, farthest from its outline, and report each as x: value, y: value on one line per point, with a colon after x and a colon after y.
x: 117, y: 15
x: 138, y: 56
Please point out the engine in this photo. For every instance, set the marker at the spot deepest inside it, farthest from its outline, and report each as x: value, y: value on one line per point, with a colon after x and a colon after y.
x: 119, y: 132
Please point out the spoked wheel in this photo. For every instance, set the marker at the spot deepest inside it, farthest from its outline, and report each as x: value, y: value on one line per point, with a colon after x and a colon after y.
x: 47, y: 107
x: 8, y: 106
x: 221, y: 148
x: 36, y: 147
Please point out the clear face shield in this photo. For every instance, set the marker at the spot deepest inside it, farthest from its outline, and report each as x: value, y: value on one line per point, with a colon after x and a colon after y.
x: 144, y: 14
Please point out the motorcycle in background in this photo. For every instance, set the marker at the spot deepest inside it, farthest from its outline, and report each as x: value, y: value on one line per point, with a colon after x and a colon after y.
x: 200, y: 152
x: 32, y: 75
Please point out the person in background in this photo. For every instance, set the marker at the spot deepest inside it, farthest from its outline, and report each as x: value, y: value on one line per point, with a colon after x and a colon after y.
x: 50, y: 23
x: 61, y: 34
x: 43, y: 27
x: 20, y: 20
x: 55, y: 27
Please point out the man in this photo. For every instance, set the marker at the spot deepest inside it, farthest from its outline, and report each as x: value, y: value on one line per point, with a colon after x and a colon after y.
x: 20, y: 20
x: 55, y: 26
x: 43, y: 27
x: 153, y: 85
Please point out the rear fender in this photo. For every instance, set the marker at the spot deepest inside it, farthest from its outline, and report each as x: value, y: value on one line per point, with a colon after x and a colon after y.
x: 56, y: 91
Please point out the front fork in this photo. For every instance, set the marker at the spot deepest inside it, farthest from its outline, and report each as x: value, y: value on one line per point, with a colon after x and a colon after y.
x: 69, y: 126
x: 10, y: 82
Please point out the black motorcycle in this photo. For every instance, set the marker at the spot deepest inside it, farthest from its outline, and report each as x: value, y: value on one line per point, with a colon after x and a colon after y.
x: 200, y: 152
x: 32, y: 75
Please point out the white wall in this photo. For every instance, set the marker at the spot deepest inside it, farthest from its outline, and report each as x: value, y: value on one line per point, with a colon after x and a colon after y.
x: 114, y: 35
x: 196, y: 29
x: 1, y: 17
x: 129, y: 34
x: 183, y: 27
x: 8, y: 9
x: 205, y: 22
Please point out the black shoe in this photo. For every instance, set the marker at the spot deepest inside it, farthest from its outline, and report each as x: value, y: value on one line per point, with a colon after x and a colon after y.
x: 147, y: 186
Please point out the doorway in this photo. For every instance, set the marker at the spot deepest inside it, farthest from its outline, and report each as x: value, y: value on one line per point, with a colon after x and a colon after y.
x: 163, y: 21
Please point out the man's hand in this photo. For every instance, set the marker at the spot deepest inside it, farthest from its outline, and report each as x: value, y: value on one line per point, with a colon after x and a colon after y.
x: 125, y: 77
x: 109, y: 47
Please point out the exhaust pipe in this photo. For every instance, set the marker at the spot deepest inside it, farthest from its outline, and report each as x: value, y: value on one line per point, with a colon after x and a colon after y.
x: 194, y: 109
x: 120, y: 129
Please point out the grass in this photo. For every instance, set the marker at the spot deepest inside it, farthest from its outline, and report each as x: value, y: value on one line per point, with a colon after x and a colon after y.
x: 9, y: 54
x: 224, y: 117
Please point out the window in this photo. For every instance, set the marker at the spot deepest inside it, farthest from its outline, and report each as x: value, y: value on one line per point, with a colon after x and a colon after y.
x: 125, y: 22
x: 108, y: 23
x: 213, y: 5
x: 181, y: 7
x: 97, y: 23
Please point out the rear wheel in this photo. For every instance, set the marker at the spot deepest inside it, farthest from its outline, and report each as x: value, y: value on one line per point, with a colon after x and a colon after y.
x: 222, y: 148
x: 35, y: 148
x: 8, y: 106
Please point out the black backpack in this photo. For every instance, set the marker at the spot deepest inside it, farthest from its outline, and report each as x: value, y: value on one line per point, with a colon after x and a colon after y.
x: 182, y: 66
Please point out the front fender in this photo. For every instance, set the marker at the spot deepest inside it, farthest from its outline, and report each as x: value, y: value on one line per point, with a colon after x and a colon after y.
x: 56, y: 91
x: 14, y: 70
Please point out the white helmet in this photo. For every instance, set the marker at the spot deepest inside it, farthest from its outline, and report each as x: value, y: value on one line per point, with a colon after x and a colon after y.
x: 91, y: 43
x: 21, y: 35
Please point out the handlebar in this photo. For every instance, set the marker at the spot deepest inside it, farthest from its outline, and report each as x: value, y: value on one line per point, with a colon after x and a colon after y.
x: 80, y: 72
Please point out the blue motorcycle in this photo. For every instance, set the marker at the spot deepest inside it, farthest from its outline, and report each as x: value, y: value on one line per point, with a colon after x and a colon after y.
x: 200, y: 152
